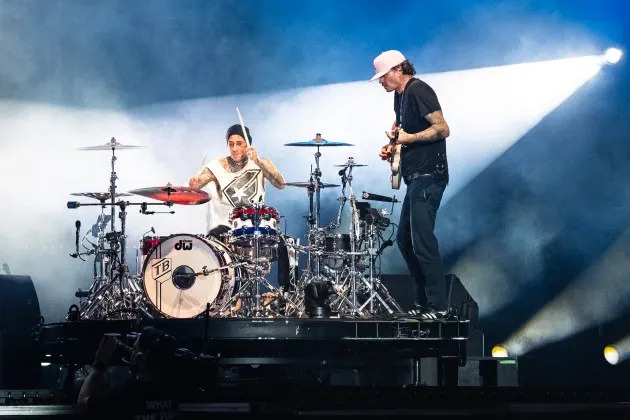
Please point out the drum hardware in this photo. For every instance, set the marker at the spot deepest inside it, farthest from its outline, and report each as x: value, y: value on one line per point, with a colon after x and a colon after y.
x: 114, y: 291
x: 318, y: 142
x: 254, y: 229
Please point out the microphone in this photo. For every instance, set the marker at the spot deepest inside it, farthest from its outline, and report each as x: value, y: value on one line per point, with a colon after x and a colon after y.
x: 377, y: 197
x: 384, y: 245
x: 73, y: 204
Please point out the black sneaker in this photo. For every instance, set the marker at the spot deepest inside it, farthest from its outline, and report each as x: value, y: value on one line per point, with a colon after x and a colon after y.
x: 416, y: 311
x: 431, y: 314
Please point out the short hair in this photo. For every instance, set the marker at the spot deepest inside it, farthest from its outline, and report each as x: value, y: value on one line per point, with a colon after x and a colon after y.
x: 238, y: 130
x: 406, y: 67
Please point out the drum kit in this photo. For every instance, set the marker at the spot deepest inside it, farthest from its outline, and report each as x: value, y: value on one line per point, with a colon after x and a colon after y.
x: 190, y: 275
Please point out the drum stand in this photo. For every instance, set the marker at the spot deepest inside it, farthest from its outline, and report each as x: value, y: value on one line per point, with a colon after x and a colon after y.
x: 371, y: 287
x: 351, y: 302
x: 114, y: 291
x: 252, y: 287
x: 374, y: 285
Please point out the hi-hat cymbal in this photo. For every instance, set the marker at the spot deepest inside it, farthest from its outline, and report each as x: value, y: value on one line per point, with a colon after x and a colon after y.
x: 176, y: 195
x: 310, y: 184
x: 349, y: 164
x: 113, y: 144
x: 100, y: 196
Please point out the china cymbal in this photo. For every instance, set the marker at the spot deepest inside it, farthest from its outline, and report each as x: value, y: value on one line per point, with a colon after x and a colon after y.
x: 113, y: 144
x: 176, y: 195
x: 100, y: 196
x: 318, y: 141
x: 310, y: 184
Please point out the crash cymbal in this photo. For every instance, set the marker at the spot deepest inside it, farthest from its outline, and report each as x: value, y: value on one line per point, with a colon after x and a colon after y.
x: 113, y: 144
x: 310, y: 184
x: 100, y: 196
x: 318, y: 141
x: 176, y: 195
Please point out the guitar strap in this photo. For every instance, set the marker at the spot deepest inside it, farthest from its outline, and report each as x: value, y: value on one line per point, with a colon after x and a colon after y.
x: 402, y: 101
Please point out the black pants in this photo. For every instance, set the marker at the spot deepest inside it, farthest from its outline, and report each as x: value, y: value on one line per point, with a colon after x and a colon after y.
x: 283, y: 256
x: 418, y: 244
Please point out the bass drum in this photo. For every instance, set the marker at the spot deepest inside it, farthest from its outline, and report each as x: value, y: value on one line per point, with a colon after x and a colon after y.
x: 183, y: 273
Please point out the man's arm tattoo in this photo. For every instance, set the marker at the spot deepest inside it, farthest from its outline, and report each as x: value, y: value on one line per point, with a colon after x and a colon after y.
x: 439, y: 129
x: 203, y: 178
x: 271, y: 173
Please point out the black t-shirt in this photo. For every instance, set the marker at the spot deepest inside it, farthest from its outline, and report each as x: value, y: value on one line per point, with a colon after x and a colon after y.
x: 418, y: 100
x: 137, y: 400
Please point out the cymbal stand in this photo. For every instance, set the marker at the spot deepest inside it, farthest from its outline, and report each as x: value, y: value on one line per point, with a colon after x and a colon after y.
x: 115, y: 290
x: 374, y: 285
x: 112, y: 186
x: 354, y: 309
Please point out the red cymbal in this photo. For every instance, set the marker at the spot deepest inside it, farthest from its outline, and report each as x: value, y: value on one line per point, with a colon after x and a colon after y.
x: 176, y: 195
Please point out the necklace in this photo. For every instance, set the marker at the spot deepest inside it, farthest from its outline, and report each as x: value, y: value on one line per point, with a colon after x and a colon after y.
x: 234, y: 165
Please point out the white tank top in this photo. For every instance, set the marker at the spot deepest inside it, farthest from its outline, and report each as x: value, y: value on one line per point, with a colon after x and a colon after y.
x: 241, y: 188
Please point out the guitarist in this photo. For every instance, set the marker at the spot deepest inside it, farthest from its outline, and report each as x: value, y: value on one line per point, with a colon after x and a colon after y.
x: 420, y: 130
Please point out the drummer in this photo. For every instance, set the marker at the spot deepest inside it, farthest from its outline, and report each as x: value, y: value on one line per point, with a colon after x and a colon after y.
x: 239, y: 179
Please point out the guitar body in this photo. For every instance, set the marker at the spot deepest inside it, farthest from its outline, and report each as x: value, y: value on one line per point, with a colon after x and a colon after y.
x: 394, y: 160
x: 396, y: 176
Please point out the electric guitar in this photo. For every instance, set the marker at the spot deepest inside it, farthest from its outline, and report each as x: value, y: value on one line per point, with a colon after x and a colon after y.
x: 394, y: 160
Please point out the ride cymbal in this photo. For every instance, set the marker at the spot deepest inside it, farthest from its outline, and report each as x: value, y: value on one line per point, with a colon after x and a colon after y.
x: 318, y: 141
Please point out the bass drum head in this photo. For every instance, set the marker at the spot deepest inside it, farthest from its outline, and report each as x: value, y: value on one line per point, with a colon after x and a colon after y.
x: 173, y: 279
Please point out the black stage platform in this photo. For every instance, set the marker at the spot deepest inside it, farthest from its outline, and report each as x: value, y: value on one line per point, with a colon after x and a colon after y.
x: 350, y: 344
x: 308, y: 367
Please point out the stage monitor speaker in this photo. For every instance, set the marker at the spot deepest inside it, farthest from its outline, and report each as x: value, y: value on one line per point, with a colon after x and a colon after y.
x: 19, y: 315
x: 19, y: 306
x: 401, y: 288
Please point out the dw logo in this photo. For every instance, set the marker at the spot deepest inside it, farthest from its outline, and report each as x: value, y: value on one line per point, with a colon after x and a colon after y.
x: 183, y: 244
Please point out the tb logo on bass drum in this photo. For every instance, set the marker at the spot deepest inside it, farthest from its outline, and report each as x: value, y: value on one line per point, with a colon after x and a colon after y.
x: 183, y: 245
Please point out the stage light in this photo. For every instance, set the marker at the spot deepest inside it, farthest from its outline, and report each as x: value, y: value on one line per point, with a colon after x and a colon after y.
x: 613, y: 55
x: 611, y: 354
x: 588, y: 300
x: 499, y: 351
x: 618, y: 351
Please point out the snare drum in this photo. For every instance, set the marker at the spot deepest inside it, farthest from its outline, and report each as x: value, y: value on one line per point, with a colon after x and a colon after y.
x: 249, y: 222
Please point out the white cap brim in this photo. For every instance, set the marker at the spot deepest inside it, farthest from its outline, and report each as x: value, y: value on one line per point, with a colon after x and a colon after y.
x: 378, y: 75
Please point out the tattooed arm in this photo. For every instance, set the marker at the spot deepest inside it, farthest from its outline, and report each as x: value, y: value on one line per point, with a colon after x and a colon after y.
x: 203, y: 178
x: 439, y: 130
x: 271, y: 173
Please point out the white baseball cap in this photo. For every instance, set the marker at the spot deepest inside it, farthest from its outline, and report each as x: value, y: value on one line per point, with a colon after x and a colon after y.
x: 386, y: 61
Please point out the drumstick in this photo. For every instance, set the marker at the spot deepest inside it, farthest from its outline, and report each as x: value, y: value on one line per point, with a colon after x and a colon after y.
x: 243, y: 127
